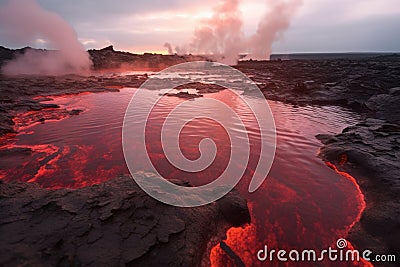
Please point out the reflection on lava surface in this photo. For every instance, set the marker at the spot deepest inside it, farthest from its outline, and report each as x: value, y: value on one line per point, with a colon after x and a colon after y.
x: 303, y: 204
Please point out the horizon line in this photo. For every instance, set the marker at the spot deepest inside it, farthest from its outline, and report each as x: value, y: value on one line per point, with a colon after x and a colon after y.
x: 240, y: 54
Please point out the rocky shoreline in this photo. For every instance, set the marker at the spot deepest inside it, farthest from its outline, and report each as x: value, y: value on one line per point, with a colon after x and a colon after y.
x: 370, y: 151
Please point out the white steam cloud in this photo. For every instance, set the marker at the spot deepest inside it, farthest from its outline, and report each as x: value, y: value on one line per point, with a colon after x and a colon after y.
x: 24, y: 21
x: 222, y: 35
x: 272, y: 26
x: 169, y: 47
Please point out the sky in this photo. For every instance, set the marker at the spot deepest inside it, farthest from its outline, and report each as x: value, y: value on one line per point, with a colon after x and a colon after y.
x: 145, y: 26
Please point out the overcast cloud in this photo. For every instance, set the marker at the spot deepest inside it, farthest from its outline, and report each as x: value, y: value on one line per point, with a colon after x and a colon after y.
x: 138, y: 26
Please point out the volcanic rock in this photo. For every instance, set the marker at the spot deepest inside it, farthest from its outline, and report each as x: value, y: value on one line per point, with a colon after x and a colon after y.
x: 75, y: 112
x: 108, y: 58
x: 349, y: 82
x: 110, y: 224
x: 186, y: 95
x: 371, y: 150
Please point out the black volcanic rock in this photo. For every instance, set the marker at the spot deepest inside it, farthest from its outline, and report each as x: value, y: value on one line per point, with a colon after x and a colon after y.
x: 111, y: 224
x: 109, y: 59
x: 108, y: 48
x: 75, y: 112
x: 186, y: 95
x: 386, y: 105
x: 349, y: 82
x: 7, y: 54
x: 371, y: 152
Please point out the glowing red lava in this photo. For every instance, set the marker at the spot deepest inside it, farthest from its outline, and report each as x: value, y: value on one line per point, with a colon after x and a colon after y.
x: 245, y: 242
x: 302, y: 204
x: 354, y: 181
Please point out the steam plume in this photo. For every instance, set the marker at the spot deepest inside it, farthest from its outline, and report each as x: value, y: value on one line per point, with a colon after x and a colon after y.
x: 222, y: 35
x: 169, y: 47
x: 271, y: 27
x: 24, y: 21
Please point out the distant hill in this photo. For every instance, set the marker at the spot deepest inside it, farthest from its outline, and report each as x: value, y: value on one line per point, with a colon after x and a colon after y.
x: 109, y: 59
x: 7, y: 54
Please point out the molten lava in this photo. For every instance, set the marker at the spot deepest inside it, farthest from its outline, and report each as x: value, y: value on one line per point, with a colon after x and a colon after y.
x: 302, y: 204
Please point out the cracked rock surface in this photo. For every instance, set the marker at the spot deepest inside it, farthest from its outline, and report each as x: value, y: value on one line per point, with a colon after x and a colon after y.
x: 110, y: 224
x: 371, y: 152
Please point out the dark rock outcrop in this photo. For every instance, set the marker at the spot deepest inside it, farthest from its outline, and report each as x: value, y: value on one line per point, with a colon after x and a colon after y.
x: 386, y: 106
x: 111, y: 224
x: 371, y: 152
x: 7, y: 54
x: 110, y: 59
x: 351, y: 82
x: 185, y: 95
x: 108, y: 48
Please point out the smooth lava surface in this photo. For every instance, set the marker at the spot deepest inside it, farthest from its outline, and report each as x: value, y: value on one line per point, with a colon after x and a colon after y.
x: 303, y: 204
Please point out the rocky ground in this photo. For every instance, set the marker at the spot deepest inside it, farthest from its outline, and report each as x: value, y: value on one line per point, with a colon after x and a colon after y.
x: 111, y: 224
x: 369, y: 84
x: 370, y: 150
